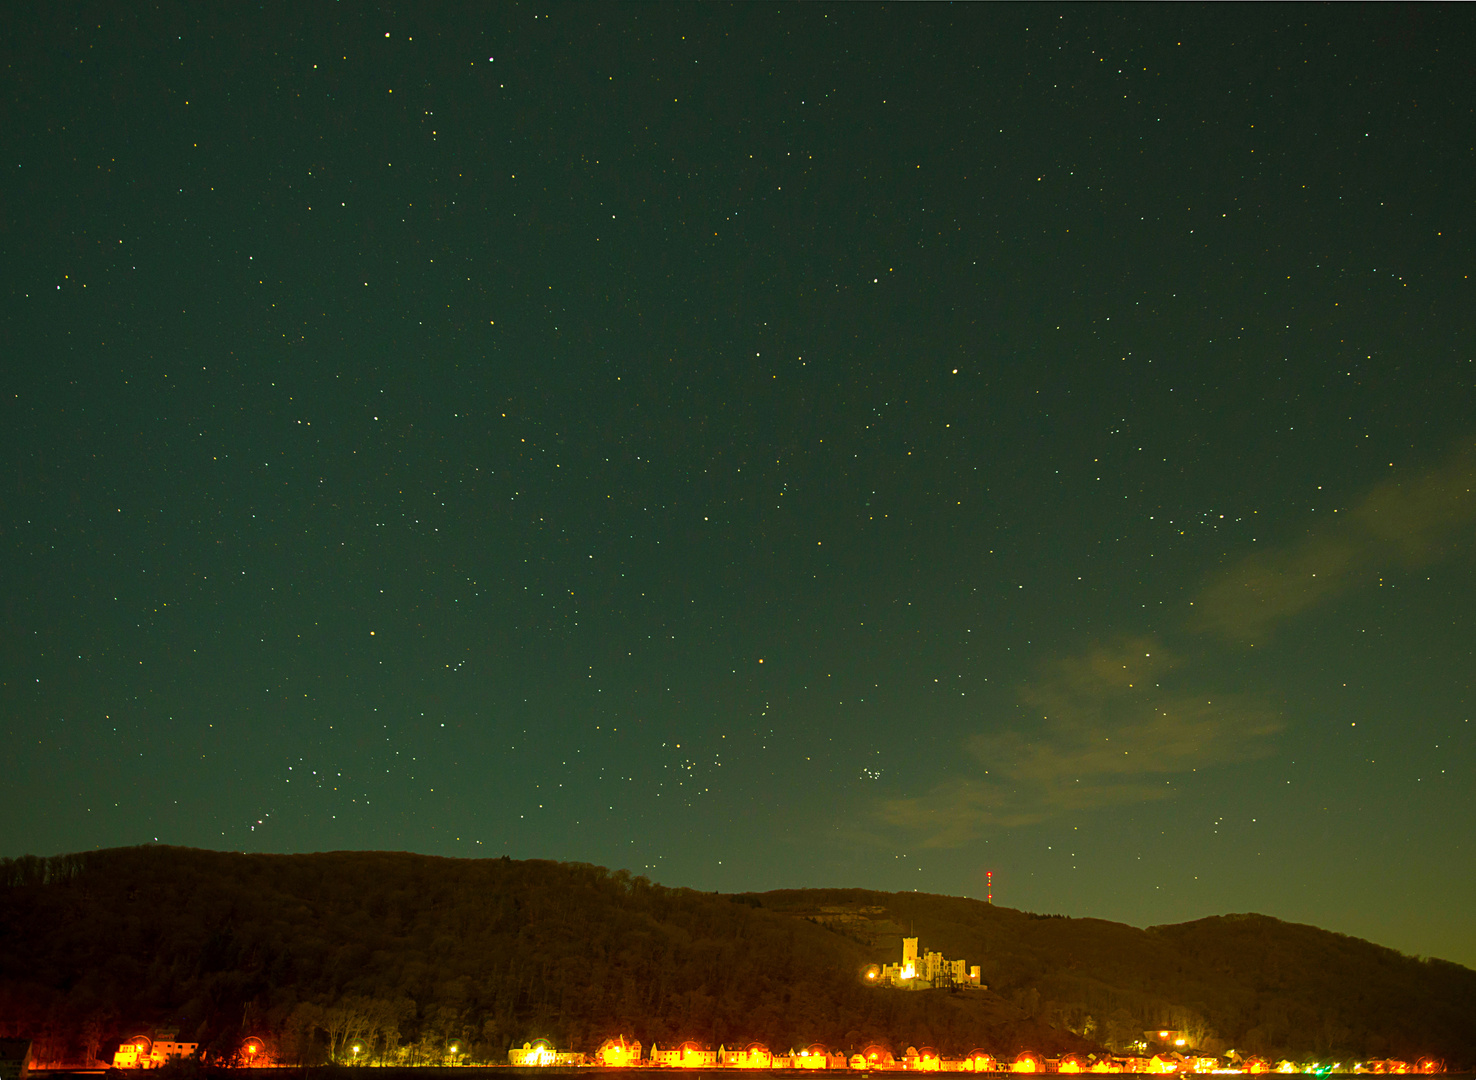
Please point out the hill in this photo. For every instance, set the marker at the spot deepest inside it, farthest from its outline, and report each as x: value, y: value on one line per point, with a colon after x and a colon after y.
x: 394, y: 949
x: 1250, y: 982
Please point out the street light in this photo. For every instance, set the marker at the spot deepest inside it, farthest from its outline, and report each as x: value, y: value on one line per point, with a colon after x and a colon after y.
x: 356, y: 1053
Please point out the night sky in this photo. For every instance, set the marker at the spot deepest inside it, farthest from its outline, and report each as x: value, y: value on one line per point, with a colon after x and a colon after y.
x: 753, y: 446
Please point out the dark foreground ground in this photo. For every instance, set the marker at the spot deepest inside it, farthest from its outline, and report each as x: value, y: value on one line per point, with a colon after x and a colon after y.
x: 466, y: 1072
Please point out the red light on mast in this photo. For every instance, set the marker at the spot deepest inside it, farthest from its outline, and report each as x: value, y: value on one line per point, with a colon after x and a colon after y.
x: 989, y: 885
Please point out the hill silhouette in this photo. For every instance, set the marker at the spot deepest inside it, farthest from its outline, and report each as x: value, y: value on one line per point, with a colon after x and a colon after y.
x: 400, y: 951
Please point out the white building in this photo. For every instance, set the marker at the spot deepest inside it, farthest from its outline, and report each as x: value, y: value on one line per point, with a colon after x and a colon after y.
x: 145, y: 1053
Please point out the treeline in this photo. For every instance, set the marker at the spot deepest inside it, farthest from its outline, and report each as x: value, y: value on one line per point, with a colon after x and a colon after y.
x: 1248, y: 982
x: 483, y: 953
x: 405, y: 955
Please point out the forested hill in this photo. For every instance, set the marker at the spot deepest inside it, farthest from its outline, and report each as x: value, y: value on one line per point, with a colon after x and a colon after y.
x: 1249, y: 982
x: 101, y: 945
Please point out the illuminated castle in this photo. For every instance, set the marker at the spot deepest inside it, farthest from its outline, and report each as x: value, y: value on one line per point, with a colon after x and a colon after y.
x: 930, y: 972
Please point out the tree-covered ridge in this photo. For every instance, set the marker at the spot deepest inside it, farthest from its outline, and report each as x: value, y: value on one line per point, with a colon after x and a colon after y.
x: 1249, y: 981
x: 486, y: 952
x: 318, y: 951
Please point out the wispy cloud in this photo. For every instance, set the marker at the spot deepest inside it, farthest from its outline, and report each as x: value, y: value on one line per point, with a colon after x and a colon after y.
x: 1115, y: 725
x: 1107, y: 731
x: 1399, y: 522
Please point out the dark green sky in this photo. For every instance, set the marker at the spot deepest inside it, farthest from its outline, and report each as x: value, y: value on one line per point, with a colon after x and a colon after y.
x: 753, y: 445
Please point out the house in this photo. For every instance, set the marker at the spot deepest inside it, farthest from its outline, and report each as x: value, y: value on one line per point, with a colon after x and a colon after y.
x: 142, y: 1052
x: 753, y: 1056
x: 15, y: 1059
x: 689, y: 1055
x: 541, y: 1055
x: 814, y: 1056
x: 166, y: 1051
x: 980, y: 1060
x: 927, y: 1060
x: 618, y: 1053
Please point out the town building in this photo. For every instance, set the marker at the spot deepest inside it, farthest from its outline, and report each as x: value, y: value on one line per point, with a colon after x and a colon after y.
x: 924, y: 1060
x: 618, y: 1053
x: 814, y: 1056
x: 15, y: 1059
x: 541, y: 1055
x: 752, y: 1056
x: 688, y: 1055
x: 141, y: 1052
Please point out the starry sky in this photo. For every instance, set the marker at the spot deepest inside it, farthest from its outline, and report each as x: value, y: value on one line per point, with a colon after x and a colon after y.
x: 753, y: 446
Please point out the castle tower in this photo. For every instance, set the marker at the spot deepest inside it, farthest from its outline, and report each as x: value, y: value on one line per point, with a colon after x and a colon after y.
x: 909, y: 957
